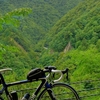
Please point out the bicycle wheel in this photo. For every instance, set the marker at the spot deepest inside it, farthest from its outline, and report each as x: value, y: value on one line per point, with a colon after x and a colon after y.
x: 60, y: 91
x: 1, y: 98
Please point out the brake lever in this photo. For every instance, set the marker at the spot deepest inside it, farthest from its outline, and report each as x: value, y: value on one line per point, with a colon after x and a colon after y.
x: 66, y: 72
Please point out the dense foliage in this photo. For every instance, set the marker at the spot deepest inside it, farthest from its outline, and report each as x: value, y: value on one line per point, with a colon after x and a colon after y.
x: 75, y: 42
x: 25, y: 32
x: 52, y: 34
x: 44, y: 15
x: 80, y: 30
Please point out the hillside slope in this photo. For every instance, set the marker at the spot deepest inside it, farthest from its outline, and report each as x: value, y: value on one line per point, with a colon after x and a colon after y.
x: 80, y: 27
x: 44, y: 15
x: 73, y: 42
x: 32, y: 28
x: 45, y: 12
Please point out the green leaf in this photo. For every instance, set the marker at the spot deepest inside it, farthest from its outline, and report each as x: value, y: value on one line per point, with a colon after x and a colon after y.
x: 1, y: 20
x: 19, y: 12
x: 13, y: 17
x: 1, y: 27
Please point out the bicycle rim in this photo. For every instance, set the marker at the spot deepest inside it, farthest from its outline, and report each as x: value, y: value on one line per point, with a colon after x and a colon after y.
x: 60, y: 91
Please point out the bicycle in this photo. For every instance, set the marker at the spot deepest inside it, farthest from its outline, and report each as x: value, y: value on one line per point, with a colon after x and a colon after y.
x: 51, y: 90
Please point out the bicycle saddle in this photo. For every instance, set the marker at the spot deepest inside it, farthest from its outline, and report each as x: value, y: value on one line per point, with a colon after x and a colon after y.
x: 6, y: 69
x: 35, y: 74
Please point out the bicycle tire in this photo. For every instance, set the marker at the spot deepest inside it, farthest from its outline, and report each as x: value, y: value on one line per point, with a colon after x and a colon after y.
x: 1, y: 98
x: 61, y: 91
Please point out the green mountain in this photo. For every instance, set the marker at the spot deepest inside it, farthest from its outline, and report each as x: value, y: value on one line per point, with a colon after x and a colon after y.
x: 26, y: 33
x: 53, y: 34
x: 78, y: 26
x: 44, y: 15
x: 77, y: 31
x: 74, y: 41
x: 45, y: 12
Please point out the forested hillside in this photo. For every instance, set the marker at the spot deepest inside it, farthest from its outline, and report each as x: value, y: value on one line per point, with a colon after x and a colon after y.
x: 74, y: 41
x: 77, y: 31
x: 25, y: 32
x: 79, y: 26
x: 44, y: 15
x: 38, y: 33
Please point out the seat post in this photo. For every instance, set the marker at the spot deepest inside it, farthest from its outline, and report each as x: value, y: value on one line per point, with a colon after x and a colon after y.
x: 2, y: 81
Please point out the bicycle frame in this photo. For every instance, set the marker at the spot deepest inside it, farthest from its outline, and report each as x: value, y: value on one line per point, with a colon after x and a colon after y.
x: 44, y: 83
x: 6, y: 85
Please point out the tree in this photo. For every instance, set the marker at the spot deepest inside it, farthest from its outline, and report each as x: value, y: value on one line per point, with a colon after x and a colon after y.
x: 98, y: 45
x: 13, y: 18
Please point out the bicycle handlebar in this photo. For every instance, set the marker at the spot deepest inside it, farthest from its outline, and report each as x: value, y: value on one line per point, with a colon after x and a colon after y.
x: 58, y: 71
x: 52, y: 69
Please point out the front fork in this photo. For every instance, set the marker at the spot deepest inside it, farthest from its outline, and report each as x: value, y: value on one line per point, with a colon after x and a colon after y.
x: 49, y: 90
